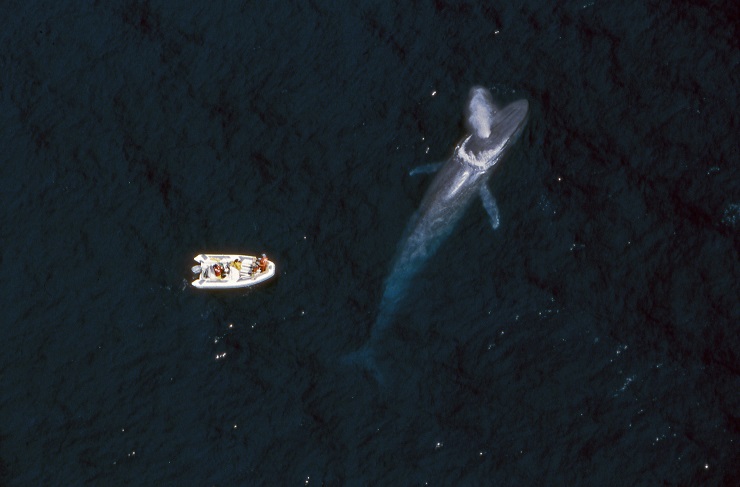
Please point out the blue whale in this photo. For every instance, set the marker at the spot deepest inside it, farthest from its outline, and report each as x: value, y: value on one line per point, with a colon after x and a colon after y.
x: 492, y: 131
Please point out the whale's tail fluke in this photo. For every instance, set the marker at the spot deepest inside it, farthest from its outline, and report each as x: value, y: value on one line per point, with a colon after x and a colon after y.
x: 365, y: 359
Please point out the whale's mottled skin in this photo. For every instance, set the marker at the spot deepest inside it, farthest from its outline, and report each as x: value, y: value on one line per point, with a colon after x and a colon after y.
x: 492, y: 132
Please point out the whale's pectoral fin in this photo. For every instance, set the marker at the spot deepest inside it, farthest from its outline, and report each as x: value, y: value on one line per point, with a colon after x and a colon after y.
x: 489, y: 203
x: 426, y: 168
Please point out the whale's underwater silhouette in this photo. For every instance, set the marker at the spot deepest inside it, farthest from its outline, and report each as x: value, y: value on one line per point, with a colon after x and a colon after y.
x: 493, y: 131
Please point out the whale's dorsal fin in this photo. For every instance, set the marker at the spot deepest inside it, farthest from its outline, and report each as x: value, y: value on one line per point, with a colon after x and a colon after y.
x: 489, y: 203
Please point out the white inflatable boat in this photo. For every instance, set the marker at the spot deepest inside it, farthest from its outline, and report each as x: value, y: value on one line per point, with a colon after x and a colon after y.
x: 224, y: 271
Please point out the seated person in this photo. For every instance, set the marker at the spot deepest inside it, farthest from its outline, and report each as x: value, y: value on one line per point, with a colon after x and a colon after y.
x: 262, y: 263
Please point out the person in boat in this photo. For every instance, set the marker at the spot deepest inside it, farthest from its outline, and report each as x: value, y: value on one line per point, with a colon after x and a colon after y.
x: 262, y: 263
x: 237, y: 263
x: 218, y: 270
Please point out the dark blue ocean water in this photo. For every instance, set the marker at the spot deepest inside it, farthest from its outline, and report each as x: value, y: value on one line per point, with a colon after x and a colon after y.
x: 591, y: 340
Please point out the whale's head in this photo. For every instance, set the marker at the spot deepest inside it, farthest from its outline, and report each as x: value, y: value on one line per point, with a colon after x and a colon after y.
x: 492, y: 129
